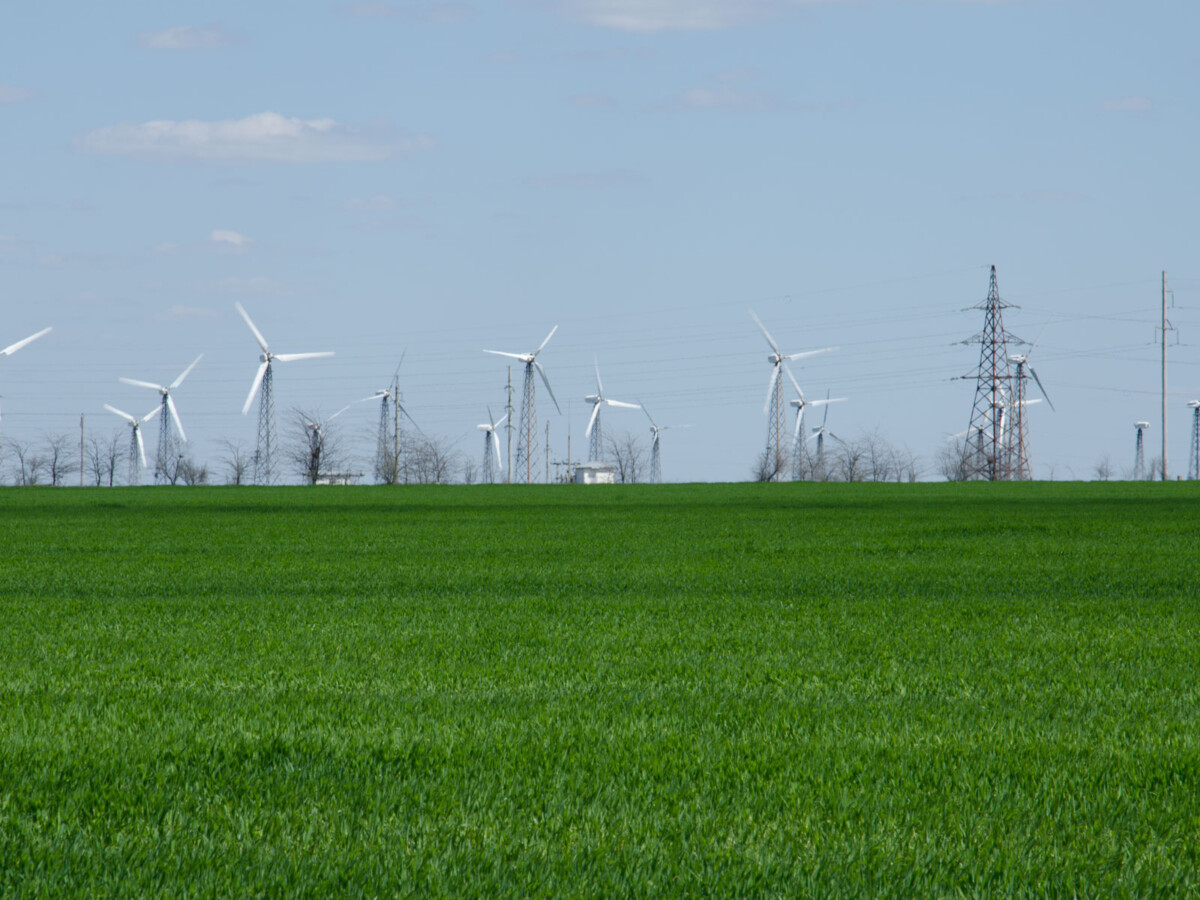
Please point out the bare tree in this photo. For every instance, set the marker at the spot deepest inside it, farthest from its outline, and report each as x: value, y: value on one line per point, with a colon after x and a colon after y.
x: 30, y: 464
x: 426, y: 459
x: 315, y: 449
x: 470, y: 470
x: 1103, y: 470
x: 189, y: 471
x: 951, y: 461
x: 766, y: 466
x: 104, y: 456
x: 909, y: 466
x: 237, y: 460
x: 850, y: 461
x: 879, y: 457
x: 628, y: 454
x: 60, y: 457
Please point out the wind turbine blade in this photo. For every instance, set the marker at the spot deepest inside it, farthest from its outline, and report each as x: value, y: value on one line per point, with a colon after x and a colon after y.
x: 771, y: 388
x: 491, y: 419
x: 175, y: 417
x: 13, y: 348
x: 546, y: 381
x: 1040, y: 388
x: 828, y: 400
x: 178, y: 381
x: 766, y: 334
x: 258, y: 377
x: 124, y: 415
x: 795, y: 383
x: 592, y: 419
x: 808, y: 353
x: 496, y: 444
x: 825, y: 418
x: 599, y: 385
x: 150, y: 415
x: 622, y: 404
x: 523, y: 357
x: 799, y: 421
x: 648, y: 416
x: 546, y: 341
x: 141, y: 447
x: 501, y: 422
x: 262, y: 341
x: 339, y: 412
x: 292, y: 357
x: 145, y: 384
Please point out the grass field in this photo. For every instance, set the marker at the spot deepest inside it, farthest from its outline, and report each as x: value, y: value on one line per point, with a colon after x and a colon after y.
x: 720, y: 690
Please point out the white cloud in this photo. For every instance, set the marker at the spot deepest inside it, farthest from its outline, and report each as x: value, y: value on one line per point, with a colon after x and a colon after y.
x: 672, y: 15
x: 10, y: 94
x: 263, y: 137
x: 232, y: 238
x: 437, y: 12
x: 186, y: 37
x: 1128, y: 104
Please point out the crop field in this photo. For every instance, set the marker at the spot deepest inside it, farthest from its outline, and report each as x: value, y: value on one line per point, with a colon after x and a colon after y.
x: 686, y: 690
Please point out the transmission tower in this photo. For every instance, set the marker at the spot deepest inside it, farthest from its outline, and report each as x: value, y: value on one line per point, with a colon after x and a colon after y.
x: 1139, y: 456
x: 986, y: 451
x: 1194, y: 457
x: 264, y: 455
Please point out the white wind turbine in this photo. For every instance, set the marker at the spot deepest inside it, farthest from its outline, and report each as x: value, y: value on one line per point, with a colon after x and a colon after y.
x: 818, y: 434
x: 655, y: 446
x: 316, y: 444
x: 491, y: 447
x: 13, y: 348
x: 773, y: 408
x: 526, y: 457
x: 137, y: 448
x: 598, y: 400
x: 167, y: 413
x: 800, y: 404
x: 387, y: 442
x: 264, y: 456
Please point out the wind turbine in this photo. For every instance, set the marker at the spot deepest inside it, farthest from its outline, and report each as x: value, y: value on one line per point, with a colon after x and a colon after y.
x: 773, y: 408
x: 1139, y: 458
x: 1194, y: 455
x: 166, y: 414
x: 13, y: 348
x: 800, y: 404
x: 137, y: 448
x: 818, y: 434
x: 526, y: 455
x: 1021, y: 468
x: 491, y: 447
x: 316, y: 444
x: 264, y: 456
x: 655, y: 456
x: 593, y: 430
x: 387, y: 442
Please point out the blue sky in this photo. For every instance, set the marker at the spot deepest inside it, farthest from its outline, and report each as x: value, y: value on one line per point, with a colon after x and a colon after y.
x: 436, y: 178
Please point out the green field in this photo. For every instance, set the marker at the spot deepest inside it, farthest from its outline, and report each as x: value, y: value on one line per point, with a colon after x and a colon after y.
x: 721, y: 690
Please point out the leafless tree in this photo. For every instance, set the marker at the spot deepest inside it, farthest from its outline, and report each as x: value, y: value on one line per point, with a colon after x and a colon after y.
x: 189, y: 471
x: 628, y: 454
x: 426, y: 459
x: 237, y: 461
x: 60, y: 457
x: 909, y: 466
x: 104, y: 456
x: 470, y: 470
x: 30, y: 464
x: 314, y: 450
x: 850, y: 461
x: 950, y: 462
x: 879, y: 457
x: 1103, y: 470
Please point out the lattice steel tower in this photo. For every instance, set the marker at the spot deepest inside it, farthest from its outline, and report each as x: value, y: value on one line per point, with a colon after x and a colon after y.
x: 986, y: 453
x: 1139, y: 454
x: 527, y: 435
x: 264, y: 455
x: 1194, y: 456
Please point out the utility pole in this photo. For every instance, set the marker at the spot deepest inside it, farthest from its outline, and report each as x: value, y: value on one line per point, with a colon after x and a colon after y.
x: 509, y: 426
x: 547, y: 453
x: 1164, y: 374
x: 986, y: 451
x: 81, y: 449
x: 395, y: 466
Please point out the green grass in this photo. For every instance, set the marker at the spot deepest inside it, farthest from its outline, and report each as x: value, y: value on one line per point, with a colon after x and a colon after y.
x: 726, y: 690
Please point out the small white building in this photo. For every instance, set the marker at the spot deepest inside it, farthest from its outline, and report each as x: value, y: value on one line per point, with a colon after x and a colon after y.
x: 595, y: 473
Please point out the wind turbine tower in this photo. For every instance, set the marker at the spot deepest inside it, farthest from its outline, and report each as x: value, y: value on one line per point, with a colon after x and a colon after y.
x: 777, y: 442
x: 137, y: 448
x: 264, y: 455
x: 799, y: 447
x: 819, y: 432
x: 166, y: 415
x: 1139, y: 456
x: 1018, y: 435
x: 491, y: 448
x: 527, y: 434
x: 985, y: 455
x: 1194, y: 458
x: 593, y: 430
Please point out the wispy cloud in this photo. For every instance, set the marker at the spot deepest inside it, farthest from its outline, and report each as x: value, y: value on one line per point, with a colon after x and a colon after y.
x: 1128, y: 104
x: 229, y: 238
x: 264, y: 137
x: 440, y: 12
x: 11, y: 94
x: 186, y: 37
x: 673, y: 15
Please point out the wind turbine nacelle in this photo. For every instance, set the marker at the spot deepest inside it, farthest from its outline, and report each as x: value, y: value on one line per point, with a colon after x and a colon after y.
x: 593, y: 398
x: 1141, y: 426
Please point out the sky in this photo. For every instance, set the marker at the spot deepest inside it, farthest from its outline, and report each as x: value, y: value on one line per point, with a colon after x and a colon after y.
x: 428, y: 179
